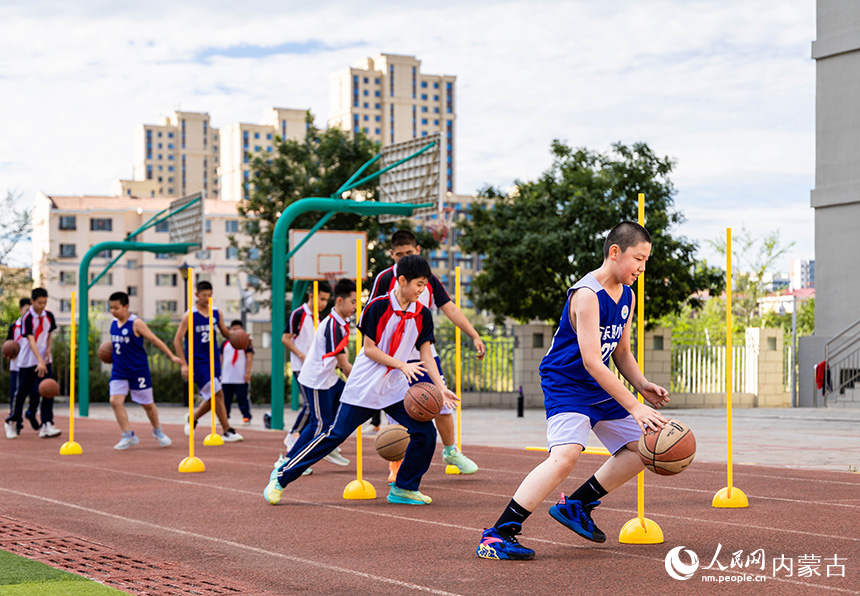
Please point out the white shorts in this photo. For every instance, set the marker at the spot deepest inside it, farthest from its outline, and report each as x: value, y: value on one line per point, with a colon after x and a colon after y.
x: 138, y: 396
x: 572, y: 428
x: 206, y: 393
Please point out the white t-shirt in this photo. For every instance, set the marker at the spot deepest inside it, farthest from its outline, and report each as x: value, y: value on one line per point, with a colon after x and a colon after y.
x: 301, y: 325
x: 233, y: 363
x: 332, y: 336
x: 40, y: 327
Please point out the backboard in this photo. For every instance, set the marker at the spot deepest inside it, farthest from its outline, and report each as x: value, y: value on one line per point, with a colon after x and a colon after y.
x: 187, y: 219
x: 416, y: 181
x: 326, y: 254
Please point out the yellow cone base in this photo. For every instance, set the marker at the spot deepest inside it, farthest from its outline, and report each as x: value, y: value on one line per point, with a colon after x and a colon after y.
x: 452, y: 469
x: 71, y: 448
x: 737, y: 499
x: 191, y: 465
x: 634, y: 532
x: 358, y: 490
x: 213, y: 440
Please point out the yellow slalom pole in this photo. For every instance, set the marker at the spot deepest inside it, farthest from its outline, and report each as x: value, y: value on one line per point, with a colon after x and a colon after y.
x: 458, y: 368
x: 70, y: 447
x: 213, y: 438
x: 729, y: 497
x: 316, y: 305
x: 191, y: 463
x: 641, y: 530
x: 358, y: 489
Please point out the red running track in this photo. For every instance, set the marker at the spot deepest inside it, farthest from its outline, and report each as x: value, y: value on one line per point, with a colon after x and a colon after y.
x: 218, y: 526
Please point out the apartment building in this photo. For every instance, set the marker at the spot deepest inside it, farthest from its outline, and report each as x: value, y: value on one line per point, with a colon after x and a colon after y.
x: 65, y: 228
x: 178, y: 157
x: 389, y: 99
x: 802, y: 274
x: 240, y: 141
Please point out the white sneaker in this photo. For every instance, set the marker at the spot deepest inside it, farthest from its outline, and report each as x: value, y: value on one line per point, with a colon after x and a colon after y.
x: 11, y: 431
x: 126, y: 441
x: 48, y: 430
x: 163, y: 439
x: 336, y: 458
x: 290, y: 440
x: 231, y: 436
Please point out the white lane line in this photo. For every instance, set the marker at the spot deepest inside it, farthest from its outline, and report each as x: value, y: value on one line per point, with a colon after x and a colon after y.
x: 238, y: 545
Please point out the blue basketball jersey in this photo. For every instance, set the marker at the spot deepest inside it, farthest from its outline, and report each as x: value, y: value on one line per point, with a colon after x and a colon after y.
x: 201, y: 341
x: 564, y: 379
x: 129, y: 355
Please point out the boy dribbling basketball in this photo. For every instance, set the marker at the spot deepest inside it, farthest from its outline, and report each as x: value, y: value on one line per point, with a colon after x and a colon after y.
x: 581, y: 393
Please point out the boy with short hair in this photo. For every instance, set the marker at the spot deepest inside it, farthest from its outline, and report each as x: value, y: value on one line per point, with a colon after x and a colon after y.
x: 34, y: 365
x: 581, y: 393
x: 130, y: 370
x: 236, y: 375
x: 198, y: 317
x: 297, y: 339
x: 404, y: 243
x: 392, y: 325
x: 15, y: 335
x: 318, y: 378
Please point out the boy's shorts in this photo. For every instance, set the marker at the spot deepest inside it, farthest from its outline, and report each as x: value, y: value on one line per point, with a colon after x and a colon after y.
x: 612, y: 424
x: 425, y: 378
x: 141, y: 394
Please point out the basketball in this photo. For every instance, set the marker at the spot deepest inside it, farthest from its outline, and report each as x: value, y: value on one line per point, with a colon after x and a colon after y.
x: 423, y: 402
x: 48, y: 388
x: 239, y: 339
x: 106, y: 352
x: 10, y: 349
x: 391, y: 442
x: 668, y: 451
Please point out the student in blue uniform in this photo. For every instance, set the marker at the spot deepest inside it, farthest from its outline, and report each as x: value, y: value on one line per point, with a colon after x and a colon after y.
x: 581, y: 393
x: 201, y: 370
x: 434, y: 297
x: 392, y: 326
x: 130, y: 370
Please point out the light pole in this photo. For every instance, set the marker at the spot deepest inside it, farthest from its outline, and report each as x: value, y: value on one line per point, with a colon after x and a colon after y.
x: 183, y: 269
x: 793, y: 361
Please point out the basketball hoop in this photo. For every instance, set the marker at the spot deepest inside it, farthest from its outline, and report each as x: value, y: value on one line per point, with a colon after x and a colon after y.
x: 441, y: 229
x: 332, y: 277
x: 207, y: 267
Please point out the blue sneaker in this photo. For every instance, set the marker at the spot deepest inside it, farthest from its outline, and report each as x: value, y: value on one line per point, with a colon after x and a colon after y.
x: 501, y: 544
x: 576, y: 516
x: 407, y: 497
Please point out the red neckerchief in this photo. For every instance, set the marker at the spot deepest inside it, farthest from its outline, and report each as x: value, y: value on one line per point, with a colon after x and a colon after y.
x: 38, y: 330
x: 401, y: 327
x: 342, y: 343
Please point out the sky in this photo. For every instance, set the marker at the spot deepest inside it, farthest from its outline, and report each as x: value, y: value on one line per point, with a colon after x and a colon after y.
x: 725, y: 87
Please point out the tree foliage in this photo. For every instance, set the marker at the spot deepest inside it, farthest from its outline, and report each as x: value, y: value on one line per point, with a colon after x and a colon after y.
x: 315, y: 166
x: 15, y: 225
x: 548, y: 233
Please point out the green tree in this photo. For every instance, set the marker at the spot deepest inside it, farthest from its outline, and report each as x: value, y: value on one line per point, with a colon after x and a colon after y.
x: 544, y: 235
x: 15, y: 225
x: 315, y: 166
x: 753, y: 262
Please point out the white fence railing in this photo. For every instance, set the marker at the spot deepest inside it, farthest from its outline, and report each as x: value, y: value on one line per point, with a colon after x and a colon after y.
x: 702, y: 369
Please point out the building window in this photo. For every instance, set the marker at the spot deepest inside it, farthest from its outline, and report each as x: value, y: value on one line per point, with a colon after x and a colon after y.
x: 231, y: 226
x: 131, y: 290
x: 163, y: 256
x: 424, y: 121
x: 165, y: 279
x: 424, y: 96
x: 208, y: 225
x: 165, y: 306
x: 198, y: 277
x: 132, y: 264
x: 163, y: 226
x: 65, y: 305
x: 423, y: 84
x: 68, y: 222
x: 423, y: 109
x: 203, y: 255
x: 106, y: 280
x: 254, y: 253
x: 101, y: 225
x: 231, y: 306
x: 231, y: 279
x: 105, y: 254
x: 391, y: 80
x: 100, y: 305
x: 232, y: 252
x: 67, y: 278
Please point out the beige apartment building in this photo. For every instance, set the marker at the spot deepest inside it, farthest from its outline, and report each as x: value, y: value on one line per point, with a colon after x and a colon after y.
x: 240, y: 141
x: 64, y: 229
x: 389, y: 99
x: 175, y: 158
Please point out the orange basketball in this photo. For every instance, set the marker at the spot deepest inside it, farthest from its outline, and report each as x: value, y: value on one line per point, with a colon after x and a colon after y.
x: 423, y: 401
x: 391, y: 442
x: 10, y: 349
x: 239, y: 339
x: 106, y: 352
x: 48, y: 388
x: 668, y: 451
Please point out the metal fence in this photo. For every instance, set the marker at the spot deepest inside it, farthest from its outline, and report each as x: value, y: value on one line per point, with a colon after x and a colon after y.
x: 702, y: 369
x: 495, y: 372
